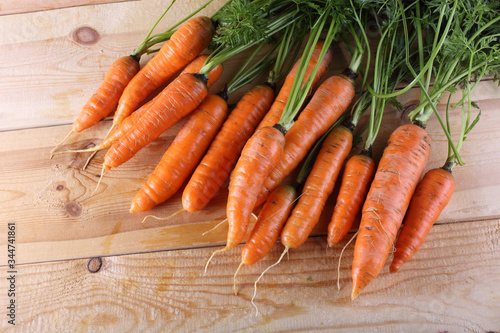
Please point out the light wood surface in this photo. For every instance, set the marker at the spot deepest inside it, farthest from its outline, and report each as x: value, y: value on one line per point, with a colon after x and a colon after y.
x: 53, y: 57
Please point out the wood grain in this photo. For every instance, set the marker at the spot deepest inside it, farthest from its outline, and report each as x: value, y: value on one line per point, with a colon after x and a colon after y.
x: 28, y: 6
x: 51, y: 198
x: 450, y: 285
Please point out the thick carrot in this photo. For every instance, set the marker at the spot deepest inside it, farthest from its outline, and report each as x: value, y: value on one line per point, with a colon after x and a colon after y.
x: 224, y: 151
x: 183, y: 154
x: 430, y: 198
x: 274, y: 114
x: 329, y: 102
x: 356, y: 179
x: 177, y: 100
x: 257, y: 158
x: 317, y: 188
x: 127, y: 123
x: 104, y: 101
x: 397, y: 176
x: 184, y: 45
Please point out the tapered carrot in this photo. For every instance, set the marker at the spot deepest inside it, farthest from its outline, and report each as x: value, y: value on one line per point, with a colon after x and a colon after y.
x: 430, y: 198
x: 329, y: 102
x: 258, y: 156
x: 184, y: 45
x: 356, y: 179
x: 268, y: 226
x: 317, y: 188
x: 104, y: 101
x: 397, y: 176
x: 223, y: 153
x: 177, y: 100
x: 183, y: 154
x: 274, y: 114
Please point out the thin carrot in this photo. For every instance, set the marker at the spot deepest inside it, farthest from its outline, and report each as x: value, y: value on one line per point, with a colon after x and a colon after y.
x: 329, y: 102
x: 177, y: 100
x: 183, y: 154
x: 184, y: 45
x: 268, y: 226
x: 397, y: 176
x: 223, y: 153
x: 318, y: 187
x: 356, y: 179
x: 430, y: 198
x: 274, y: 114
x: 104, y: 101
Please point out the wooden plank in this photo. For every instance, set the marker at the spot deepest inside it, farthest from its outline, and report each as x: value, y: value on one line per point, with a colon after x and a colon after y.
x: 51, y: 199
x: 68, y: 60
x: 28, y: 6
x: 451, y: 285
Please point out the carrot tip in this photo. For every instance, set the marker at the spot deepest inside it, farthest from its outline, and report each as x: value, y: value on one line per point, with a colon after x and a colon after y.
x: 218, y: 225
x: 234, y: 279
x: 61, y: 143
x: 213, y: 254
x: 354, y: 295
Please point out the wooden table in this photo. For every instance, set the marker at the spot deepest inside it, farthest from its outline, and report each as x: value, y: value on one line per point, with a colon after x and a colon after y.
x: 84, y: 264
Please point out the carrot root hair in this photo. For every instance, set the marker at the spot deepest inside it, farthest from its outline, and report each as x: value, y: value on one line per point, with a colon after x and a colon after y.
x: 260, y: 277
x: 340, y: 258
x: 216, y: 226
x: 52, y: 152
x: 164, y: 218
x: 235, y: 290
x: 103, y: 171
x: 213, y: 254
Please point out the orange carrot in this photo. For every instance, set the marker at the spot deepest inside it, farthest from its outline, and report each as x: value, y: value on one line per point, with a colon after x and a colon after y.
x: 274, y: 114
x: 329, y: 102
x: 177, y: 100
x: 270, y: 222
x: 258, y: 156
x: 104, y: 101
x: 317, y: 188
x: 224, y: 151
x: 184, y: 45
x: 397, y: 176
x: 183, y: 154
x: 356, y: 179
x: 430, y: 198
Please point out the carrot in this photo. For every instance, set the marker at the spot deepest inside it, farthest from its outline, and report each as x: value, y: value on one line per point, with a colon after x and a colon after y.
x: 358, y: 174
x: 184, y: 45
x: 268, y: 226
x: 317, y: 188
x: 329, y: 102
x: 177, y: 100
x: 258, y: 156
x: 398, y: 173
x: 430, y: 198
x: 274, y: 114
x: 127, y: 123
x: 223, y: 153
x: 104, y: 101
x: 183, y: 154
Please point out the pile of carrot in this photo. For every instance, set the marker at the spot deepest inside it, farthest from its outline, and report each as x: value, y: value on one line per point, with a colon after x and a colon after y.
x: 307, y: 124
